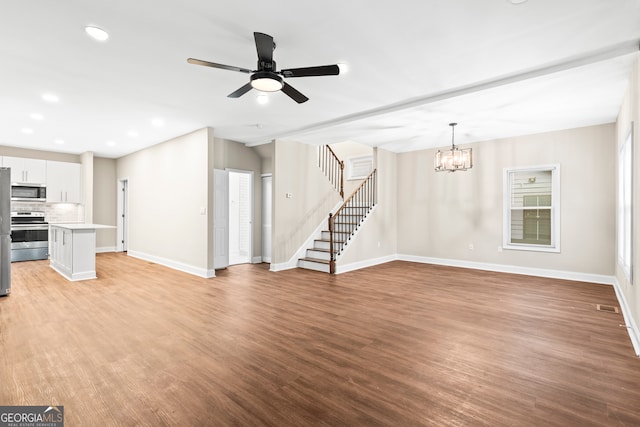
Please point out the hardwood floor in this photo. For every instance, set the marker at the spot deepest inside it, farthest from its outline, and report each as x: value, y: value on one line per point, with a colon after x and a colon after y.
x: 400, y: 344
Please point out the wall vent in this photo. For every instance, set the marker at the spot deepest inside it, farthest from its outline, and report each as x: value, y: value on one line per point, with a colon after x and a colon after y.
x: 609, y: 308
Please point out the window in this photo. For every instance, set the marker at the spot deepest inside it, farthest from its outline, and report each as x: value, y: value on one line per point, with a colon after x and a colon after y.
x: 531, y: 215
x: 359, y: 167
x: 624, y: 206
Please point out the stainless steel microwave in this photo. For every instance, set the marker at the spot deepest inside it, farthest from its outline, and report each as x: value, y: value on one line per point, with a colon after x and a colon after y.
x: 29, y: 192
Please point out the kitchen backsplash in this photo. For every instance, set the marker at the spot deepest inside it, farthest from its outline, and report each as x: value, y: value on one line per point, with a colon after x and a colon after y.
x: 53, y: 212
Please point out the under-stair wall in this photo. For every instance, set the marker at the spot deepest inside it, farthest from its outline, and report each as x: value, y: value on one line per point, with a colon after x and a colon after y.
x: 376, y: 239
x: 295, y: 218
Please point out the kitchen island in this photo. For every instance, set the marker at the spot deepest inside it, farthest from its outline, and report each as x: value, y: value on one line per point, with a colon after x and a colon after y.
x: 73, y: 249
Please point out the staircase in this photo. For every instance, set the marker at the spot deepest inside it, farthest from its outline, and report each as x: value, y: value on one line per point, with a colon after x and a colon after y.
x: 341, y: 228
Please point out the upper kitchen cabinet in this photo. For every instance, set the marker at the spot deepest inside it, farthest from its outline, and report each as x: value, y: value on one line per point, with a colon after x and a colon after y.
x: 63, y: 182
x: 30, y: 171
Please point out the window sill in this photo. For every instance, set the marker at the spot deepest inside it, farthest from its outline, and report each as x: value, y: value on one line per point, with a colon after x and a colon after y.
x: 531, y: 248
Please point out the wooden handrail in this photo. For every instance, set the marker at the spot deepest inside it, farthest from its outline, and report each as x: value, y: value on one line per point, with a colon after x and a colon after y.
x: 332, y: 167
x: 362, y: 199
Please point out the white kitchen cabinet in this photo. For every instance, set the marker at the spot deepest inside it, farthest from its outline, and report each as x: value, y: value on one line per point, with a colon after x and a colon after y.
x: 63, y: 182
x: 61, y: 251
x: 23, y: 170
x: 73, y: 250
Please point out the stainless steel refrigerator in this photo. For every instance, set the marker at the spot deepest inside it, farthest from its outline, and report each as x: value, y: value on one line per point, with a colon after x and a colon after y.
x: 5, y: 231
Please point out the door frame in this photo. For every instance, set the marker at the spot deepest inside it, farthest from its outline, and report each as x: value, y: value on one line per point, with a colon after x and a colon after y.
x: 262, y: 222
x: 251, y: 210
x: 122, y: 233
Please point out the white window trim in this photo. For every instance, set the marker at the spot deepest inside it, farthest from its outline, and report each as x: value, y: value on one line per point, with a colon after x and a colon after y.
x: 555, y: 209
x: 625, y: 260
x: 350, y: 168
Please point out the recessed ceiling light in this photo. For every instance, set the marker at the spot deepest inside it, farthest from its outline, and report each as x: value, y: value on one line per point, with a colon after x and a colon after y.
x: 49, y: 97
x: 111, y: 143
x: 262, y: 99
x: 96, y: 33
x: 344, y: 68
x: 157, y: 122
x: 36, y: 116
x: 59, y: 141
x: 517, y: 1
x: 27, y: 130
x: 132, y: 133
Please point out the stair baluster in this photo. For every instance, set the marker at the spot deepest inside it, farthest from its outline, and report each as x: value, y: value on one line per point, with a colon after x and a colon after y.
x: 332, y: 167
x: 358, y: 205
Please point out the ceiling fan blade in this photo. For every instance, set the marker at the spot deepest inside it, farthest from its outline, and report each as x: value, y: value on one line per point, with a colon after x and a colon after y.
x: 214, y: 65
x: 264, y: 46
x: 293, y: 93
x: 238, y: 93
x: 322, y: 70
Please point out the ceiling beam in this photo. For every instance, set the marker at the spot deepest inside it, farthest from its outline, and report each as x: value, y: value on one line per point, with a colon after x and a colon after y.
x: 610, y: 52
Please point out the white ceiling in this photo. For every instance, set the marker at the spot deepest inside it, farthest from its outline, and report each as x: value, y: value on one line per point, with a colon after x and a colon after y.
x: 496, y: 68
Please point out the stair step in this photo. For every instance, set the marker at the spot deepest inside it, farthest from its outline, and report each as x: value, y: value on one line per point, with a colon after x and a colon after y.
x: 324, y: 244
x: 320, y: 253
x: 320, y: 261
x: 335, y: 251
x: 314, y: 264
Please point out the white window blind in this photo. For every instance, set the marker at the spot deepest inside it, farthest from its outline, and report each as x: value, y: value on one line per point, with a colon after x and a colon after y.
x: 531, y: 208
x: 359, y: 167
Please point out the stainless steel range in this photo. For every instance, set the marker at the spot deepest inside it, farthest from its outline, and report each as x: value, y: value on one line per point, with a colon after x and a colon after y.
x: 29, y: 236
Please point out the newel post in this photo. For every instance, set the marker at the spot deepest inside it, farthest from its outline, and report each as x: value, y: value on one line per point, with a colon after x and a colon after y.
x: 332, y: 261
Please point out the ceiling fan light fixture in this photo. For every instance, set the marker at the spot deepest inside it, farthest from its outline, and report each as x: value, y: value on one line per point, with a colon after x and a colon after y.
x: 265, y: 81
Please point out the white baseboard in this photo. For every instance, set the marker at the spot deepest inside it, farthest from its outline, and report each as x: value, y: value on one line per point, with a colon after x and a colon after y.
x: 364, y: 264
x: 105, y: 249
x: 630, y: 322
x: 256, y: 260
x: 514, y: 269
x: 197, y: 271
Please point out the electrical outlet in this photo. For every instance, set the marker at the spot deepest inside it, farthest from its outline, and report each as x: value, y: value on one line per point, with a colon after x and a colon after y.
x: 471, y: 247
x: 289, y: 195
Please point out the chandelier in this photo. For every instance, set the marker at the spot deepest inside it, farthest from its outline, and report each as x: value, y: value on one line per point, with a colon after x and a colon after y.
x: 454, y: 159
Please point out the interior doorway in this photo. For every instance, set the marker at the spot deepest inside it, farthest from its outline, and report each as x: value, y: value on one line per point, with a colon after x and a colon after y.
x: 123, y: 216
x: 240, y: 217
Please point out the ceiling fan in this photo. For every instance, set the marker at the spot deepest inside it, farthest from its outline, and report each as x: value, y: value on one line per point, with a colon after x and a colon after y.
x: 267, y: 78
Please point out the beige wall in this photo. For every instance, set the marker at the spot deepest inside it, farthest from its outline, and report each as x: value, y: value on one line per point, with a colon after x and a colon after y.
x: 265, y: 151
x: 38, y: 154
x: 630, y: 112
x: 105, y: 200
x: 234, y: 155
x: 377, y: 238
x: 313, y: 197
x: 86, y: 159
x: 168, y: 186
x: 441, y: 214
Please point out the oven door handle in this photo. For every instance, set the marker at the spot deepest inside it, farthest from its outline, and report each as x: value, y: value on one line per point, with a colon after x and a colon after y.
x: 29, y: 227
